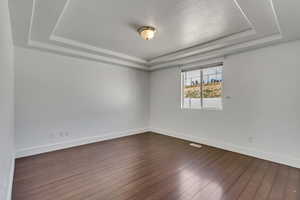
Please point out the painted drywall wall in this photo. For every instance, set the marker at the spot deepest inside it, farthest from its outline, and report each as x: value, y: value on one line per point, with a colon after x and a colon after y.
x: 62, y: 99
x: 261, y: 117
x: 6, y: 103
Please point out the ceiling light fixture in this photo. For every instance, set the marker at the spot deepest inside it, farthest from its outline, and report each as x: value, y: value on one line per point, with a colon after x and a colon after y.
x: 147, y: 32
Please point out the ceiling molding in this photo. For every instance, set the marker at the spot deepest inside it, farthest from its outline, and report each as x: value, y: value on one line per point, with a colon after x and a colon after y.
x: 213, y: 49
x: 60, y: 17
x: 31, y: 21
x: 216, y: 44
x: 105, y: 59
x: 275, y: 16
x: 244, y: 13
x: 71, y: 42
x: 56, y: 48
x: 200, y: 48
x: 202, y: 63
x: 221, y: 52
x: 104, y: 52
x: 221, y: 49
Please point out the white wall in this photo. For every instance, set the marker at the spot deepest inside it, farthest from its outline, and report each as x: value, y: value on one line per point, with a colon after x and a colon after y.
x: 6, y: 102
x: 58, y: 95
x: 264, y: 105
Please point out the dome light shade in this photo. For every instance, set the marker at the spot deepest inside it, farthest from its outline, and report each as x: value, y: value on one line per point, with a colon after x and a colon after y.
x: 147, y: 32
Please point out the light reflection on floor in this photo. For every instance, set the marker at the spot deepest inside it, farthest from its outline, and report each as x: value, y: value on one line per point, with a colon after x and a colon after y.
x: 195, y: 178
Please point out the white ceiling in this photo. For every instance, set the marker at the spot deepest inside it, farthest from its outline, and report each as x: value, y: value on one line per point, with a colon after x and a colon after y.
x: 188, y: 30
x: 112, y: 24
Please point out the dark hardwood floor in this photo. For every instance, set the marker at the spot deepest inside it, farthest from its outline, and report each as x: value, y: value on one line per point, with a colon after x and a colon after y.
x: 151, y: 166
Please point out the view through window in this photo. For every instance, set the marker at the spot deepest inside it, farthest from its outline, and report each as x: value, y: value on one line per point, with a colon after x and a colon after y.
x: 202, y: 88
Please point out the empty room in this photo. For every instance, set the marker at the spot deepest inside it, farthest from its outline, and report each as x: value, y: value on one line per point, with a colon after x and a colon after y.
x: 149, y: 100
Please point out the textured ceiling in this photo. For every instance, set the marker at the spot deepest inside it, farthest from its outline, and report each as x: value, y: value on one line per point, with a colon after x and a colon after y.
x: 112, y: 24
x: 188, y: 30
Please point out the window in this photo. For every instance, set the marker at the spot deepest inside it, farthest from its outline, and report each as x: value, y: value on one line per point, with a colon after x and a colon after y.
x: 202, y: 88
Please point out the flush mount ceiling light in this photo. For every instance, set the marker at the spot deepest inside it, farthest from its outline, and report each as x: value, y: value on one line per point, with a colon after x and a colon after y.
x: 147, y: 32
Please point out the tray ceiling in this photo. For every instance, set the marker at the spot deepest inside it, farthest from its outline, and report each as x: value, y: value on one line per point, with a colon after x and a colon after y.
x: 113, y: 24
x: 188, y: 30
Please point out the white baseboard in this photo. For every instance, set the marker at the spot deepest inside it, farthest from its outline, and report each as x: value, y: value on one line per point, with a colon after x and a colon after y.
x: 11, y: 179
x: 283, y: 159
x: 72, y: 143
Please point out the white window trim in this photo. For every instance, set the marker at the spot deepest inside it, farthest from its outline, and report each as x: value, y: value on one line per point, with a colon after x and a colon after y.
x: 201, y: 65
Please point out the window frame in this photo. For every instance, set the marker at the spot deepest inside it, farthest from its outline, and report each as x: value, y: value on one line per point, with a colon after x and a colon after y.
x: 201, y: 67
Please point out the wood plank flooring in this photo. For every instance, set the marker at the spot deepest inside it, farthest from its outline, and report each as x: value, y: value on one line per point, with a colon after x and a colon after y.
x: 150, y: 166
